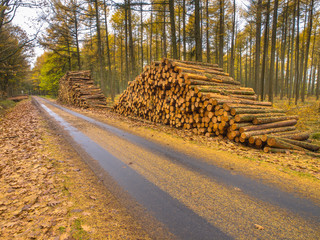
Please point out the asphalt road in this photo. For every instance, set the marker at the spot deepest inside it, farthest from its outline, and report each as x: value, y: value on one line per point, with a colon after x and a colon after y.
x: 176, y: 195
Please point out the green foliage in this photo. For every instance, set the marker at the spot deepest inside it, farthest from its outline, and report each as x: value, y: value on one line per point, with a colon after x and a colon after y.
x: 50, y: 74
x: 49, y: 68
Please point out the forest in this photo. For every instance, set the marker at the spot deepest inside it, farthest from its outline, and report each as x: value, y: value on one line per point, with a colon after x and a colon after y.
x: 272, y: 46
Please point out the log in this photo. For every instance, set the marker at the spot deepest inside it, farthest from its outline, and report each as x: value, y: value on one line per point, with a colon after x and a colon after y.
x: 246, y: 135
x: 278, y: 143
x: 306, y: 145
x: 250, y: 117
x: 294, y: 135
x: 235, y: 111
x: 229, y: 106
x: 275, y: 150
x: 273, y: 119
x: 268, y: 125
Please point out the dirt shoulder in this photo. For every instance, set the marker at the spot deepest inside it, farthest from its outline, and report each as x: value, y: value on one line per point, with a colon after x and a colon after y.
x: 291, y: 172
x: 47, y: 191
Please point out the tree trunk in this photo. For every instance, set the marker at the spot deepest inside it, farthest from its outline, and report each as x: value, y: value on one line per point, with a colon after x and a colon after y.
x: 131, y: 47
x: 276, y: 87
x: 264, y: 74
x: 232, y: 40
x: 126, y: 40
x: 108, y: 47
x: 197, y: 31
x: 297, y: 82
x: 173, y: 30
x: 141, y: 34
x: 164, y: 34
x: 307, y: 51
x: 221, y: 32
x: 207, y: 32
x: 290, y: 85
x: 273, y: 48
x: 318, y: 81
x: 151, y: 28
x: 314, y: 61
x: 184, y: 31
x: 99, y: 47
x: 77, y: 36
x: 283, y: 50
x: 258, y: 43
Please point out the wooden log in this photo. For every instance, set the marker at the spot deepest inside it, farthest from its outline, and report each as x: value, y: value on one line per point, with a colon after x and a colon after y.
x: 235, y: 111
x: 203, y: 64
x: 236, y: 126
x: 250, y: 117
x: 229, y: 106
x: 246, y: 135
x: 278, y: 143
x: 294, y: 135
x: 227, y: 99
x: 268, y: 149
x: 268, y: 125
x: 263, y: 138
x: 303, y: 144
x: 273, y: 119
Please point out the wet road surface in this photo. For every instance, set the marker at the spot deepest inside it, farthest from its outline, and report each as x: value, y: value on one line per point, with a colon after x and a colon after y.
x: 191, y: 198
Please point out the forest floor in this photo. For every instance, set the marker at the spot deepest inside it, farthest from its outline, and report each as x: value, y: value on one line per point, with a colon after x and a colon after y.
x: 47, y: 191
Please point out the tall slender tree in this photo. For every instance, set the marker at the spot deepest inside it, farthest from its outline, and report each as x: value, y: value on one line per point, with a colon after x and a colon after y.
x: 258, y: 45
x: 197, y: 31
x: 273, y: 48
x: 221, y: 32
x: 173, y: 29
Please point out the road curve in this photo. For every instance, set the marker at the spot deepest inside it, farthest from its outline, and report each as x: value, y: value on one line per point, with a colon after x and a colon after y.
x: 189, y: 197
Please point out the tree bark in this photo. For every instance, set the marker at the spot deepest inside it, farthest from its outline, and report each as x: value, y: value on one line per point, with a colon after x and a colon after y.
x: 108, y: 46
x: 264, y: 74
x: 258, y: 43
x: 273, y: 48
x: 197, y: 31
x: 131, y: 47
x: 297, y: 82
x: 207, y: 32
x: 221, y: 32
x: 309, y: 28
x: 232, y: 40
x: 173, y: 30
x: 99, y: 47
x: 184, y: 31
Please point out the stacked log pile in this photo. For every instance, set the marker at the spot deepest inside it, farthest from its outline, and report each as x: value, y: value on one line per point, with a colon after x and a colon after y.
x: 78, y: 89
x: 202, y: 98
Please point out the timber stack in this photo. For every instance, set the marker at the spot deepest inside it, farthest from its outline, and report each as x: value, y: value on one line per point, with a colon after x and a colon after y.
x: 78, y: 89
x: 202, y: 98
